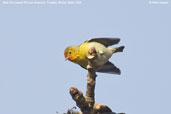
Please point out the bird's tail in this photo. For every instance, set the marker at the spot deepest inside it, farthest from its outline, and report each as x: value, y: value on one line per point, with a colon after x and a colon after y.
x: 118, y: 49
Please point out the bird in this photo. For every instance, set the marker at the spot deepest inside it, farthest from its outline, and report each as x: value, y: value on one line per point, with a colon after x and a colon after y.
x: 80, y: 54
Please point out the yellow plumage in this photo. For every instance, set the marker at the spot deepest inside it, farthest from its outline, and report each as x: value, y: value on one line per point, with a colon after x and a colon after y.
x: 78, y: 54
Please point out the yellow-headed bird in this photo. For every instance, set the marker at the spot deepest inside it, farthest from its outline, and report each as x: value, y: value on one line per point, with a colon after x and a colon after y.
x: 78, y: 54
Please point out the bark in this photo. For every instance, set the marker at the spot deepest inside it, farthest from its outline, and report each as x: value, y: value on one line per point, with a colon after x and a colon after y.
x: 87, y: 103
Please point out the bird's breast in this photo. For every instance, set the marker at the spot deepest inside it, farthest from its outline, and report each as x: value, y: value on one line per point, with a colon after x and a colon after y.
x: 103, y: 54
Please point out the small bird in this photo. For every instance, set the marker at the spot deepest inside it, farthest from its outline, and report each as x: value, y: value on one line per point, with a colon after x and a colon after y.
x: 99, y: 46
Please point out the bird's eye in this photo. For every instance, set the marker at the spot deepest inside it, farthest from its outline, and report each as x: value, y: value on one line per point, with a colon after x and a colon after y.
x: 70, y: 52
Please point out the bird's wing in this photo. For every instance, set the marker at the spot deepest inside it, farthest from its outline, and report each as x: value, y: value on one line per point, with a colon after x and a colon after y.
x: 109, y: 68
x: 105, y: 41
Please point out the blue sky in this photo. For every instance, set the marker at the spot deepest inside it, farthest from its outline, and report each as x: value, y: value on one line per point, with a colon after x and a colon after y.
x: 35, y: 78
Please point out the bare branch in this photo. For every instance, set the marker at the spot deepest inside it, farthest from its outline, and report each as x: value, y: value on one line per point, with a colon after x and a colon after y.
x: 87, y: 103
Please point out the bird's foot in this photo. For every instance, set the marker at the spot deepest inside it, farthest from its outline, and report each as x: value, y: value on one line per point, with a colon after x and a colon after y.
x: 92, y: 53
x: 89, y: 67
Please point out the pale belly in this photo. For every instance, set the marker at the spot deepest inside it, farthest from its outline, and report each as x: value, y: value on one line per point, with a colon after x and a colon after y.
x: 103, y: 54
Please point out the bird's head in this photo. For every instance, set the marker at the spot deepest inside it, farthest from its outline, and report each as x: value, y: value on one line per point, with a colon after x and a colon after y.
x: 71, y: 53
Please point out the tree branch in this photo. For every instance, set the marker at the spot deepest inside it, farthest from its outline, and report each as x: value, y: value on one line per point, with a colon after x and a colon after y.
x: 87, y: 103
x: 91, y: 81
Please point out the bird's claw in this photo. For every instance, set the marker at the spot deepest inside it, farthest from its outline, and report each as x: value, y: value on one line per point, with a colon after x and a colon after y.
x: 90, y: 57
x: 89, y: 67
x: 92, y: 53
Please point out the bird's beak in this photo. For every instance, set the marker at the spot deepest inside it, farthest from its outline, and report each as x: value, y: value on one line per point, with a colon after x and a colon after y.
x: 66, y: 58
